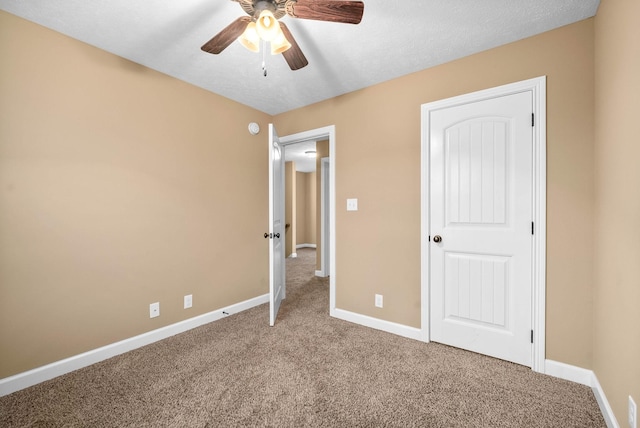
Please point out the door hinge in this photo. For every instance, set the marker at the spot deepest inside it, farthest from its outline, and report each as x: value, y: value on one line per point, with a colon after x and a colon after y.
x: 532, y: 228
x: 531, y: 336
x: 533, y: 119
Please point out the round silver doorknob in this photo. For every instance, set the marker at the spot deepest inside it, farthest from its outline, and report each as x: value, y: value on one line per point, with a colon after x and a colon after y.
x: 437, y: 239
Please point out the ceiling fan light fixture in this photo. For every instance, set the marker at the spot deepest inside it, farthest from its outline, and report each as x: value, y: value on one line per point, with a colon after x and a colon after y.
x: 265, y: 15
x: 250, y: 38
x: 279, y: 44
x: 267, y: 25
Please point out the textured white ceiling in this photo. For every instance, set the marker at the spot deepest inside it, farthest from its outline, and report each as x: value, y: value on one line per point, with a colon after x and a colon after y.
x: 297, y: 153
x: 395, y: 38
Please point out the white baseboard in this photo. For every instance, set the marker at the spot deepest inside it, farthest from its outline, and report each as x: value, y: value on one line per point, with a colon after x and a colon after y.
x: 321, y: 274
x: 568, y: 372
x: 293, y: 255
x: 58, y: 368
x: 305, y: 246
x: 584, y: 377
x: 606, y: 409
x: 378, y: 324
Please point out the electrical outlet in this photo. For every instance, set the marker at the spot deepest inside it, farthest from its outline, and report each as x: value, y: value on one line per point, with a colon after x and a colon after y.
x: 188, y: 301
x: 154, y: 310
x: 378, y: 300
x: 633, y: 414
x: 352, y: 205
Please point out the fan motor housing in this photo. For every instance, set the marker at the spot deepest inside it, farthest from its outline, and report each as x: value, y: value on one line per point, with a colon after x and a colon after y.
x: 277, y: 7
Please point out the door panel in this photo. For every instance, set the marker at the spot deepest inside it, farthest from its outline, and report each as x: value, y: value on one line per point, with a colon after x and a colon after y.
x: 477, y: 289
x: 277, y: 283
x: 481, y: 207
x: 476, y: 164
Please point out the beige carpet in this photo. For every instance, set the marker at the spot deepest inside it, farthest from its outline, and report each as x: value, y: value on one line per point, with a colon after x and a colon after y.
x: 308, y: 370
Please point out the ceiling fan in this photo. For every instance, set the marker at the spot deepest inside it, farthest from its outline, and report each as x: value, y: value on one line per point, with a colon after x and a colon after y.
x: 263, y: 24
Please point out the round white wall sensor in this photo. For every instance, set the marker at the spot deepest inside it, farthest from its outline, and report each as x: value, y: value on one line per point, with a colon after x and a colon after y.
x: 254, y: 128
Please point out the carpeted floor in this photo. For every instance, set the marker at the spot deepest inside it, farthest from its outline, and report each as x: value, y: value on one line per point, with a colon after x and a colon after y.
x: 308, y: 370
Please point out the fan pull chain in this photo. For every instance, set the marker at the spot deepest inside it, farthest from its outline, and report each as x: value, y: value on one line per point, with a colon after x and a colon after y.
x: 264, y: 58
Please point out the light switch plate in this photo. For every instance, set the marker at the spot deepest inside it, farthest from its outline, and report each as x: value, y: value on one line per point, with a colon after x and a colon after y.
x: 352, y: 205
x: 154, y: 310
x: 378, y: 300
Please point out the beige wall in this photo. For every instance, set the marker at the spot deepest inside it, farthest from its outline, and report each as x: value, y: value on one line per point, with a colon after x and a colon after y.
x: 617, y: 233
x: 119, y: 187
x: 310, y: 203
x: 291, y: 214
x: 306, y: 208
x: 378, y: 162
x: 301, y: 208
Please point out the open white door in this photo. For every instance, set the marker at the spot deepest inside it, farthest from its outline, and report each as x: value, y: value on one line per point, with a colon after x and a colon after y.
x: 277, y: 284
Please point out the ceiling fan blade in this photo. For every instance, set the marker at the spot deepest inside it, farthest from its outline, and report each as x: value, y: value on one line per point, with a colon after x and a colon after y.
x: 294, y: 56
x: 345, y: 11
x: 228, y: 35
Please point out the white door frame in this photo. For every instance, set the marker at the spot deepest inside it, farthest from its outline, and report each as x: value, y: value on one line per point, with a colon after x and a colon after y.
x: 325, y: 133
x: 538, y: 88
x: 325, y: 229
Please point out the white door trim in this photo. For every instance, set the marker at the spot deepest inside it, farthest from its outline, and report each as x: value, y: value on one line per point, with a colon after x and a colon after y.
x: 327, y: 132
x: 324, y: 217
x: 538, y: 88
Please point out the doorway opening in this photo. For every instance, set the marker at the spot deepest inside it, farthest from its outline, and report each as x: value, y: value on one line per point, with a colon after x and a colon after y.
x: 303, y: 203
x: 325, y: 199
